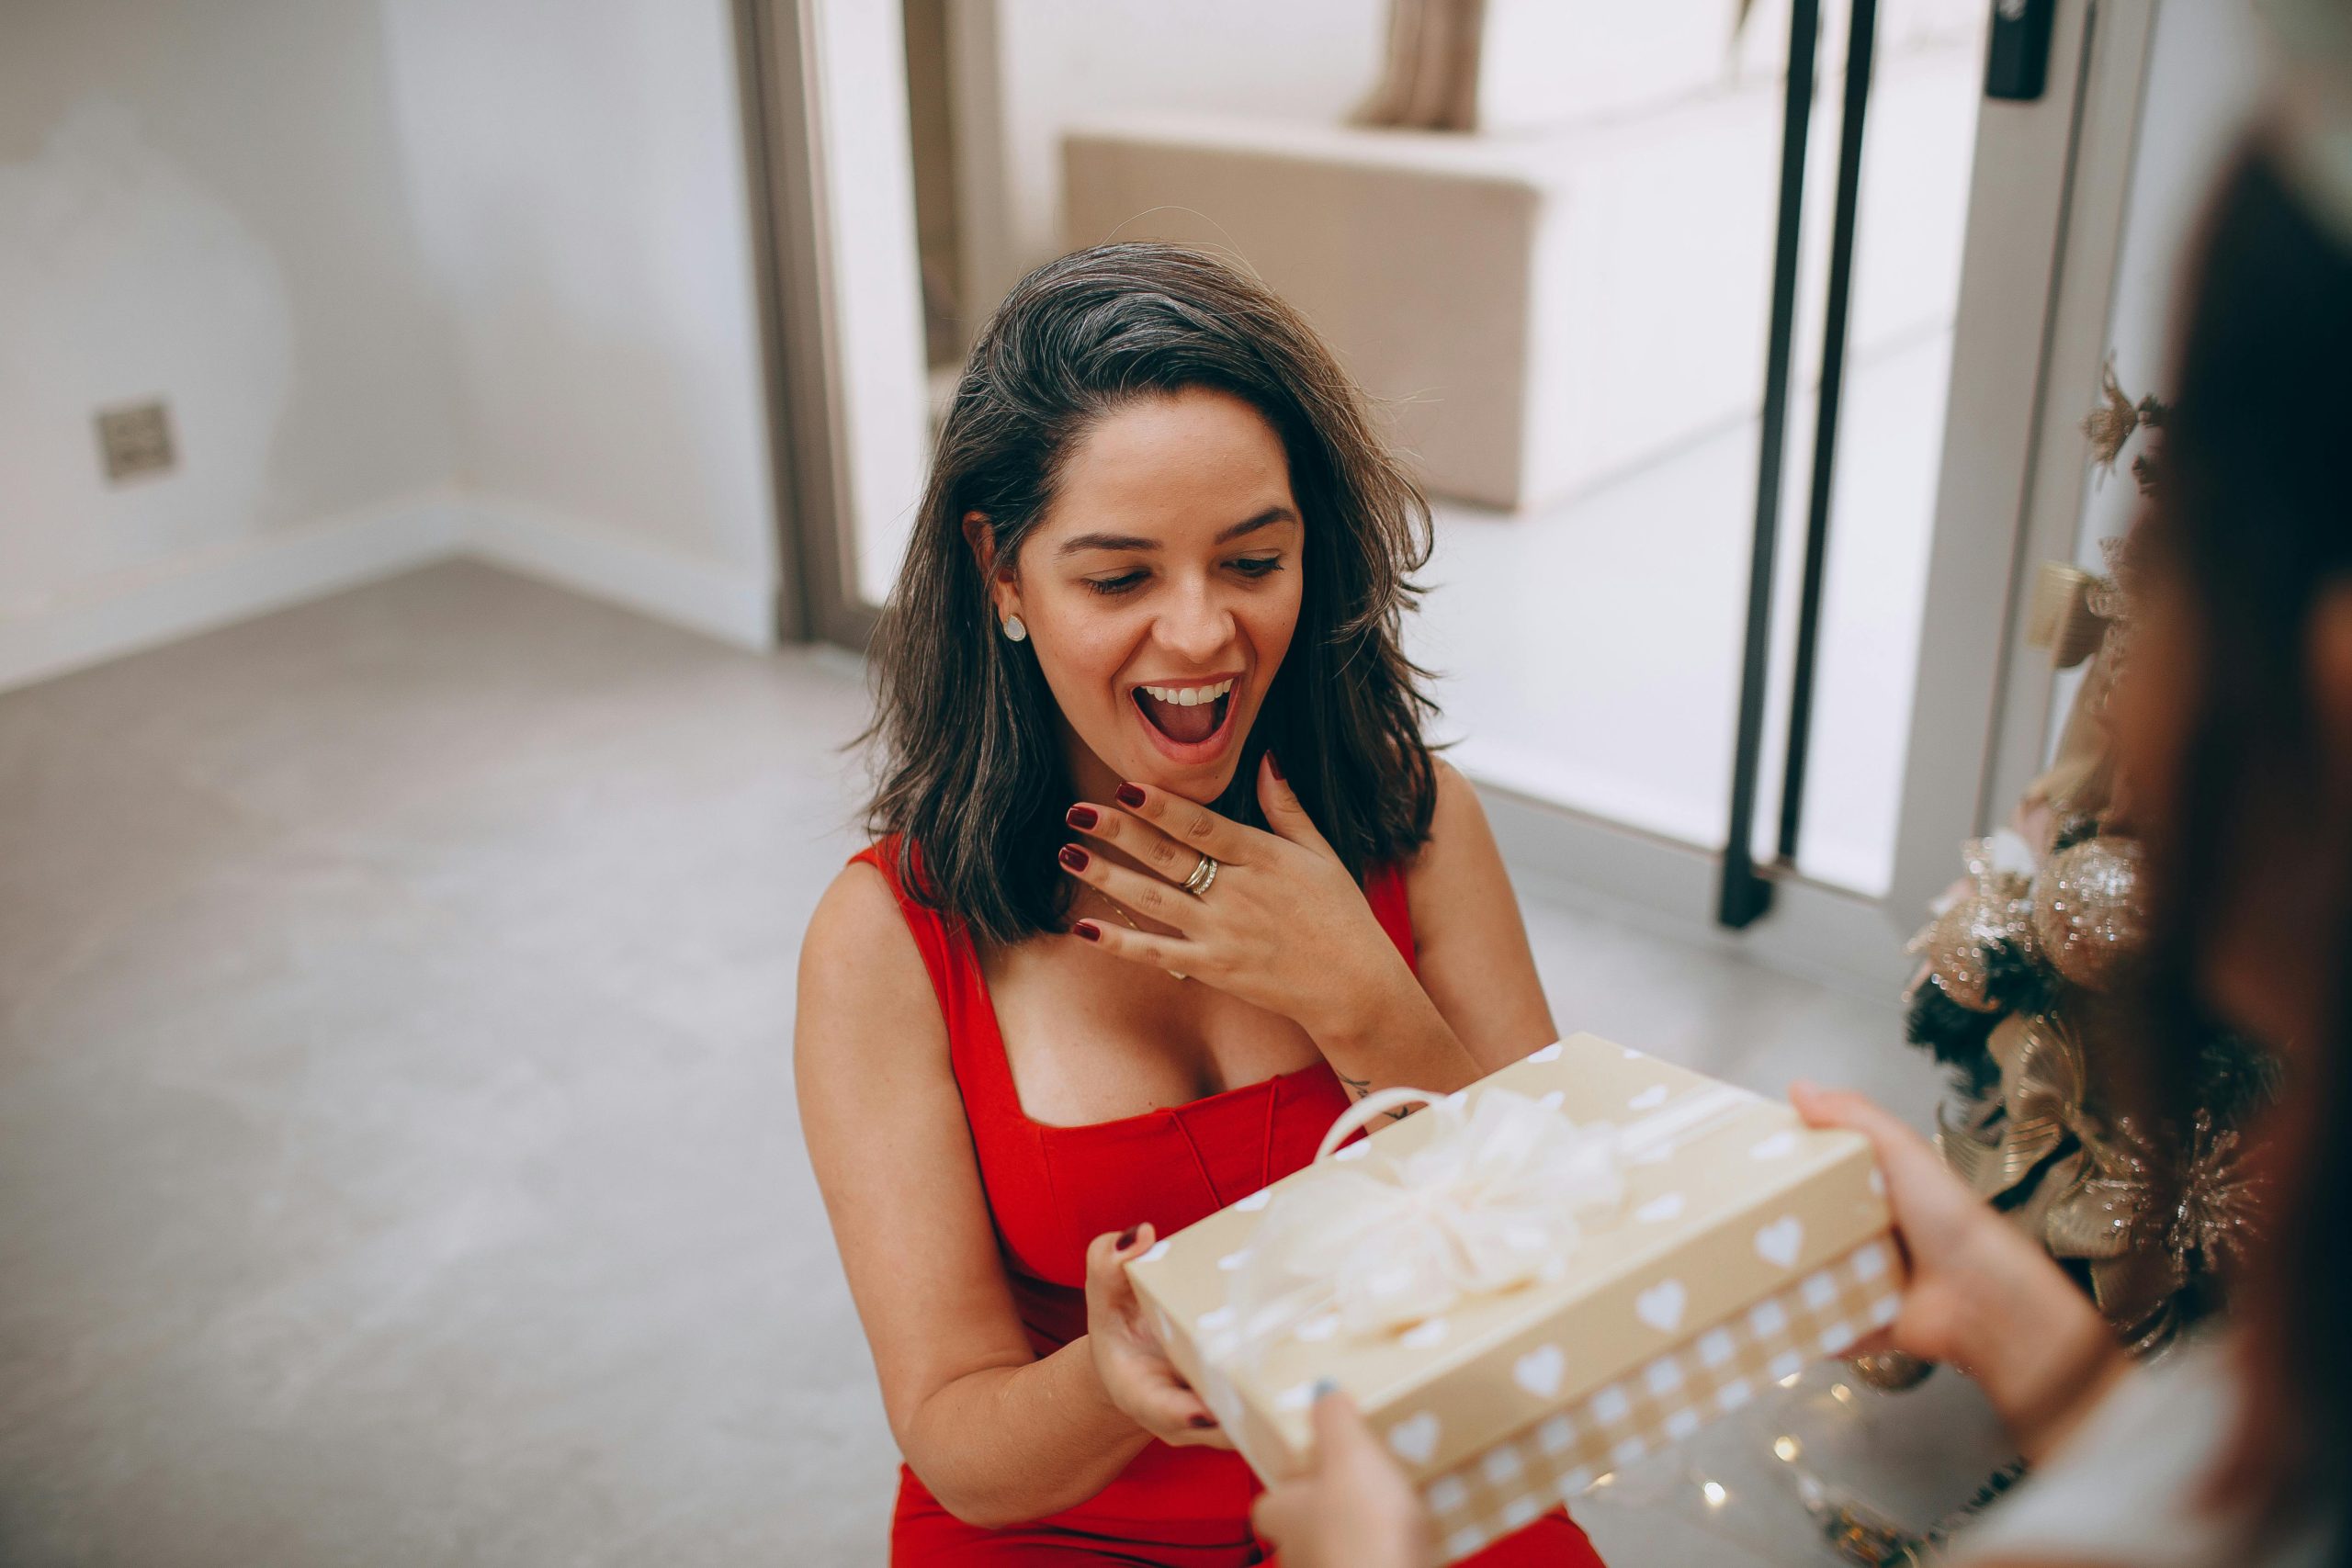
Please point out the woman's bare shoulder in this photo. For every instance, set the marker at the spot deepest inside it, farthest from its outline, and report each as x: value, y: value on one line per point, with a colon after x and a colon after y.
x: 1456, y: 795
x: 858, y: 906
x: 863, y: 983
x: 1458, y: 830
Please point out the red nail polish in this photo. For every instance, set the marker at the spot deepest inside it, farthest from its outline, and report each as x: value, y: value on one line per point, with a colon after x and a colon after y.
x: 1081, y: 817
x: 1073, y: 857
x: 1126, y: 1238
x: 1203, y: 1423
x: 1088, y: 929
x: 1276, y: 763
x: 1130, y: 796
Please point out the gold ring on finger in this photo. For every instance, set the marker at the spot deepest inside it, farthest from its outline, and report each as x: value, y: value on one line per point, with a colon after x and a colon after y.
x: 1204, y: 876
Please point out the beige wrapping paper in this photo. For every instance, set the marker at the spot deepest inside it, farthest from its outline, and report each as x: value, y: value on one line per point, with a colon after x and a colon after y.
x: 1744, y: 1244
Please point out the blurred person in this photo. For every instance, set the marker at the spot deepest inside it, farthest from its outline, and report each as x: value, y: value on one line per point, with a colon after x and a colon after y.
x: 2234, y: 726
x: 1164, y: 876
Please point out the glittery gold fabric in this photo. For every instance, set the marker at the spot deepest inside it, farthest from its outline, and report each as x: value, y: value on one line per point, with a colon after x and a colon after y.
x: 2087, y: 912
x: 2151, y: 1218
x: 2144, y: 1220
x: 1958, y: 945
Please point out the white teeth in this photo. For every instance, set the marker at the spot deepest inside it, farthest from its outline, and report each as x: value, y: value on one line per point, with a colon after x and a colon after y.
x: 1188, y: 696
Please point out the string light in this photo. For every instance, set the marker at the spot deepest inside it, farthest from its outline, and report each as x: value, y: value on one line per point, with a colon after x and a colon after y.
x: 1716, y: 1494
x: 1788, y: 1448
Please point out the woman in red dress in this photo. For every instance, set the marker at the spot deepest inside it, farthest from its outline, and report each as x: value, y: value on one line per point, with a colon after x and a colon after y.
x: 1164, y: 877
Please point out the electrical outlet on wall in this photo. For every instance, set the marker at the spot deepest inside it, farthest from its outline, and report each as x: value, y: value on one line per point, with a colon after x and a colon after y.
x: 135, y: 439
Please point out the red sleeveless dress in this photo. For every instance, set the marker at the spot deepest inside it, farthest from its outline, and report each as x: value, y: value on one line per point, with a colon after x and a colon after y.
x: 1051, y: 1191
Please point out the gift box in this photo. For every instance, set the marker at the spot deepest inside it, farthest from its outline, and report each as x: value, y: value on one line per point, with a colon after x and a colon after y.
x: 1575, y: 1261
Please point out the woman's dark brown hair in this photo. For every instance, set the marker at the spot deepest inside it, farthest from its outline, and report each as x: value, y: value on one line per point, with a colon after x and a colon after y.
x: 971, y: 776
x: 2253, y: 521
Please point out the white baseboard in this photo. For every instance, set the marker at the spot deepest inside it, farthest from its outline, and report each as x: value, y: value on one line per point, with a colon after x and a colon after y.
x: 127, y: 612
x: 199, y: 590
x: 1823, y: 935
x: 726, y: 602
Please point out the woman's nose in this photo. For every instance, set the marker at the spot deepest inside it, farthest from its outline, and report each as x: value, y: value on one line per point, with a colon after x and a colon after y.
x: 1197, y: 625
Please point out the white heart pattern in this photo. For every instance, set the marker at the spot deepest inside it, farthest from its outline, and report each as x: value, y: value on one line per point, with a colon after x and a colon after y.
x: 1649, y: 1099
x: 1779, y: 1145
x: 1539, y: 1370
x: 1158, y: 1251
x: 1256, y: 1200
x: 1661, y: 1306
x: 1778, y: 1242
x: 1549, y: 1054
x: 1233, y: 1261
x: 1413, y: 1441
x: 1554, y: 1099
x: 1660, y: 1209
x: 1322, y: 1326
x: 1423, y: 1336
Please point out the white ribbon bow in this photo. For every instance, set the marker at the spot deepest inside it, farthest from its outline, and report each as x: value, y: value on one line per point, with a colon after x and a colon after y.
x: 1496, y: 1199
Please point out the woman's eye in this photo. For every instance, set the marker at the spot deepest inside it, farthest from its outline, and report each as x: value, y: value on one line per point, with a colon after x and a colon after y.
x: 1257, y: 566
x: 1125, y: 582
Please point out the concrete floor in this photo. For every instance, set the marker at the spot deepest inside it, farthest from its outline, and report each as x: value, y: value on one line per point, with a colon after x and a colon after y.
x: 398, y: 1159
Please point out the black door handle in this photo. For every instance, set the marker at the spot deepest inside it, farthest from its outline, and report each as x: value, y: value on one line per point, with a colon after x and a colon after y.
x: 2016, y: 57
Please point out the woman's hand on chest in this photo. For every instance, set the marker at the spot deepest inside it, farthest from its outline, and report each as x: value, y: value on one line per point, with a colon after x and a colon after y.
x: 1274, y: 919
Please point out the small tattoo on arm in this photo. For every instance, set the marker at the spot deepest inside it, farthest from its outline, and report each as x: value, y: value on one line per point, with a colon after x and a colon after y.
x: 1360, y: 1087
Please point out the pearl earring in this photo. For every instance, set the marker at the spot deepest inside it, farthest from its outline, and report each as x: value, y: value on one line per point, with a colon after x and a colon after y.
x: 1015, y: 630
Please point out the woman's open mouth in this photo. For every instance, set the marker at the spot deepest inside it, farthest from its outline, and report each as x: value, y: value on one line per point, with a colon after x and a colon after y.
x: 1189, y: 717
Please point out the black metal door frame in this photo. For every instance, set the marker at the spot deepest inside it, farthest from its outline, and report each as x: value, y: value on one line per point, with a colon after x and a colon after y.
x: 1744, y: 891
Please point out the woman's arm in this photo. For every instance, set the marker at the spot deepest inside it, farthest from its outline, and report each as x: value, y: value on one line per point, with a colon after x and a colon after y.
x: 997, y: 1434
x: 1475, y: 962
x: 1473, y: 1002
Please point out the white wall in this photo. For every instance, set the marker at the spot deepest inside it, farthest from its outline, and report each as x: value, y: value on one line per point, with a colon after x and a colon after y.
x: 2207, y: 65
x: 203, y: 204
x: 416, y: 277
x: 2206, y: 70
x: 578, y: 179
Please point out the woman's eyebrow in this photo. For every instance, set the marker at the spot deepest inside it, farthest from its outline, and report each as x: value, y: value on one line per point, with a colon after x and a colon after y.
x: 1266, y: 519
x: 1080, y: 543
x: 1084, y: 542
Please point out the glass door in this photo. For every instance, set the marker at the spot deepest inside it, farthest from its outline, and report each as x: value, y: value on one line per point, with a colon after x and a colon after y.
x: 1713, y: 327
x: 1597, y: 641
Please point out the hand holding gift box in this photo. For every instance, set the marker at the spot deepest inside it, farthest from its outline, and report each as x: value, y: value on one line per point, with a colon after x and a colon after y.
x: 1573, y: 1262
